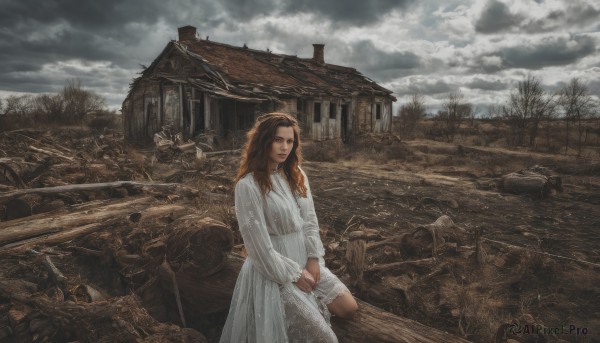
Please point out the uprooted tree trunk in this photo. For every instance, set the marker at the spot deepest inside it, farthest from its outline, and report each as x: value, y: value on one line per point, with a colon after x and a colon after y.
x: 192, y: 266
x: 205, y: 289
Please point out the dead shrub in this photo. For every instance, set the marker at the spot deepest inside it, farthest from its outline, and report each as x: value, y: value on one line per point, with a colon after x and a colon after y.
x: 323, y: 151
x: 399, y: 152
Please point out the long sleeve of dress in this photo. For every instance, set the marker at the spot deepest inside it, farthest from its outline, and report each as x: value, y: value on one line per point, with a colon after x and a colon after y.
x: 314, y: 245
x: 253, y: 227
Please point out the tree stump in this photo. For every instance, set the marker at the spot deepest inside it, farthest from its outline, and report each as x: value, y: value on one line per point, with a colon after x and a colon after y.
x: 529, y: 183
x: 356, y: 253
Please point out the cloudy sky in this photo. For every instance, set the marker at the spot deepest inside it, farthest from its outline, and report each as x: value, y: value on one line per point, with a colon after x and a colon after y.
x: 482, y: 47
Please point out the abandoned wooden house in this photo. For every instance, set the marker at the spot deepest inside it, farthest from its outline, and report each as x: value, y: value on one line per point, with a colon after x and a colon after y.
x: 199, y: 86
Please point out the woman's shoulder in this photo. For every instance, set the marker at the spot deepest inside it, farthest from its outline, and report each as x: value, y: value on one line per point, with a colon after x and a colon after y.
x: 248, y: 178
x: 246, y: 181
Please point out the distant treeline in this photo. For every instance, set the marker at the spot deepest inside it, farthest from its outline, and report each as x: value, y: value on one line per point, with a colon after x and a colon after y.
x: 530, y: 113
x: 74, y: 105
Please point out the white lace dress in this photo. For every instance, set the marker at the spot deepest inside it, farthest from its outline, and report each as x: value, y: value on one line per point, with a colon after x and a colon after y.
x: 280, y: 233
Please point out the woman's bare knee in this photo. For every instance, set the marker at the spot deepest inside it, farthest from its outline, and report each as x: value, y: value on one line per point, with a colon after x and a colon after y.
x: 344, y: 306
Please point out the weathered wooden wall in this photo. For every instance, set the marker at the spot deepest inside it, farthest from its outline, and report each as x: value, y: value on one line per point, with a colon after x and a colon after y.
x: 148, y: 110
x: 363, y: 115
x: 384, y: 122
x: 288, y: 105
x: 142, y: 112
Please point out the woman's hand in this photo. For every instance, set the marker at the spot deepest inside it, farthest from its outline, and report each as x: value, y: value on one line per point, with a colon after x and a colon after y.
x: 306, y: 282
x: 312, y: 265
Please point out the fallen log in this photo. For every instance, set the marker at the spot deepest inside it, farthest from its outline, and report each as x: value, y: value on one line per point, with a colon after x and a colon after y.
x: 529, y: 183
x: 52, y: 153
x: 372, y: 324
x: 396, y: 265
x: 67, y: 234
x: 147, y: 187
x: 49, y: 223
x: 222, y: 152
x: 393, y: 240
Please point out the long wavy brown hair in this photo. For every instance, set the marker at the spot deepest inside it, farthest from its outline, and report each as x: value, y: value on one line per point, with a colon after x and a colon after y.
x: 255, y: 156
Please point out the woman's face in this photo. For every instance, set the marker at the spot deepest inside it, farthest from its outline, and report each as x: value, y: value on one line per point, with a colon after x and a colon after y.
x: 282, y: 146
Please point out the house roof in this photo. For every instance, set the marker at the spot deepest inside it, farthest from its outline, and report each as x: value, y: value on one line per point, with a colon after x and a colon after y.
x: 253, y: 75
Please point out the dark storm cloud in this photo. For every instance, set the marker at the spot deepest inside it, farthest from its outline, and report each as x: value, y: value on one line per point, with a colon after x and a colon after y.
x: 34, y: 34
x: 594, y: 88
x: 496, y: 17
x: 575, y: 14
x: 357, y: 12
x: 246, y: 10
x: 427, y: 86
x: 82, y: 24
x: 549, y: 52
x: 381, y: 65
x: 86, y: 14
x: 437, y: 87
x: 488, y: 85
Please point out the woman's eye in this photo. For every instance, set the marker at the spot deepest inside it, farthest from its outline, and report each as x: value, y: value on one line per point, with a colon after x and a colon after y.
x: 290, y: 141
x: 278, y: 140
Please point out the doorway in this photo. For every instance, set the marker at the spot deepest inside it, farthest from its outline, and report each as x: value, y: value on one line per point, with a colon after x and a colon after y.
x: 344, y: 123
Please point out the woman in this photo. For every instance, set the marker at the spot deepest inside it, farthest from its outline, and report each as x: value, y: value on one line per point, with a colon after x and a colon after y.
x: 284, y: 292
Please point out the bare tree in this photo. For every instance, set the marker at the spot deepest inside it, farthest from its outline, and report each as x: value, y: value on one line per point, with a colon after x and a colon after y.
x: 472, y: 115
x: 549, y: 119
x: 411, y: 112
x: 455, y: 110
x: 577, y: 104
x: 50, y: 107
x: 526, y: 109
x: 492, y: 112
x: 18, y: 105
x: 17, y: 110
x: 78, y: 102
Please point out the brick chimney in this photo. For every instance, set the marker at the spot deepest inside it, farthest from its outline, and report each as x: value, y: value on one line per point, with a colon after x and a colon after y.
x: 318, y: 54
x: 187, y: 33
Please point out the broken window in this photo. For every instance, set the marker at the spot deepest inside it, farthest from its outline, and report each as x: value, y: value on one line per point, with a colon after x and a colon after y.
x: 332, y: 110
x: 377, y: 111
x: 317, y: 113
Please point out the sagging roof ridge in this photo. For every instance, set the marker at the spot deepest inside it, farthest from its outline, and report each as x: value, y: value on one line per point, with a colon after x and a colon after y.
x: 261, y: 91
x: 269, y: 53
x: 309, y: 65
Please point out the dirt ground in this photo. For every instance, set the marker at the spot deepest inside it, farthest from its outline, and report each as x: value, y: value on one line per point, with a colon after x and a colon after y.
x: 519, y: 267
x: 553, y: 281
